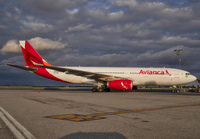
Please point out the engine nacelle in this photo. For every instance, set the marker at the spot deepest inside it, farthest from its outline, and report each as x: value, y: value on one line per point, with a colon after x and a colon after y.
x: 120, y: 84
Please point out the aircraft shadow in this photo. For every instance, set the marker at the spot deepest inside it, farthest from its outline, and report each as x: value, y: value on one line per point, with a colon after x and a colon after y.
x: 94, y: 135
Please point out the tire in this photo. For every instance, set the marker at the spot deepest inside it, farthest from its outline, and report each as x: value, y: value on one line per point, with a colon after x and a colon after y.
x: 107, y: 89
x: 101, y: 90
x: 94, y: 89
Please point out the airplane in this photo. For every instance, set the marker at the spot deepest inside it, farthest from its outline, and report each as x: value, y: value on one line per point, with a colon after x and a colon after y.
x: 103, y: 78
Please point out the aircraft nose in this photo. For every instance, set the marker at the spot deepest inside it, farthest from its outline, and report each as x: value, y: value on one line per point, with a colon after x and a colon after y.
x: 193, y: 78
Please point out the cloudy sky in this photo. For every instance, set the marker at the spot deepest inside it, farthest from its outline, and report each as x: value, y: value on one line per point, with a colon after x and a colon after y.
x: 130, y: 33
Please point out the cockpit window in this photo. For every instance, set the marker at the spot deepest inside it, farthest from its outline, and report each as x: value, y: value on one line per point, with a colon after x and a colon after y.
x: 187, y: 73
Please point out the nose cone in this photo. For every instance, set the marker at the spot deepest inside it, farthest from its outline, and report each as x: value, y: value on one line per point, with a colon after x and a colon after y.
x: 193, y: 78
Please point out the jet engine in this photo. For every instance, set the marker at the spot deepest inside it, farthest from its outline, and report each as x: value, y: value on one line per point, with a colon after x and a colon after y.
x: 120, y: 84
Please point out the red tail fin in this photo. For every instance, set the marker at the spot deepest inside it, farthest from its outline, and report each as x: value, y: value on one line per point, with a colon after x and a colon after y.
x: 31, y: 56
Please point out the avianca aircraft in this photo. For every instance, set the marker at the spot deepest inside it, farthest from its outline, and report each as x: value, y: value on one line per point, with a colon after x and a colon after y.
x: 104, y: 78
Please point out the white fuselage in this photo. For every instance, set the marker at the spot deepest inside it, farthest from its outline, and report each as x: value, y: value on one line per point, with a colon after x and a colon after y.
x: 139, y: 76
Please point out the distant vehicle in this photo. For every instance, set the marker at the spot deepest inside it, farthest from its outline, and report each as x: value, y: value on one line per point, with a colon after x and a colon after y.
x: 104, y: 78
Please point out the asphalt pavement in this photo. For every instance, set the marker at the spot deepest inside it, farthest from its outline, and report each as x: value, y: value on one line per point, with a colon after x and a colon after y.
x: 72, y: 114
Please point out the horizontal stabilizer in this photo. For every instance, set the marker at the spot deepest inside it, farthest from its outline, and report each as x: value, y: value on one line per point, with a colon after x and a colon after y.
x: 24, y: 68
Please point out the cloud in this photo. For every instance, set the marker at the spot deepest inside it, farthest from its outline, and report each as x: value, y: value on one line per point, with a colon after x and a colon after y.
x: 12, y: 46
x: 92, y: 60
x: 36, y: 27
x: 179, y: 40
x: 16, y: 59
x: 103, y: 32
x: 131, y: 3
x: 51, y: 6
x: 45, y: 44
x: 116, y: 15
x: 79, y: 27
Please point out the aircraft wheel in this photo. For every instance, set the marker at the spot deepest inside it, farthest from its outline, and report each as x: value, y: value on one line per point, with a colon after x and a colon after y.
x: 101, y: 89
x: 94, y: 89
x: 107, y: 89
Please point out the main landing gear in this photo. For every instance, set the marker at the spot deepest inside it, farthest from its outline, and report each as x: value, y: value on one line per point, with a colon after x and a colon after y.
x: 100, y: 89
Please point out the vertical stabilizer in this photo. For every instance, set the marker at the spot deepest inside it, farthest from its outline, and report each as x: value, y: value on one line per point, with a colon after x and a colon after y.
x: 31, y: 56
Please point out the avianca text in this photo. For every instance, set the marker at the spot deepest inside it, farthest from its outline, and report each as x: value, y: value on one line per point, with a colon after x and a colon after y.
x: 149, y: 72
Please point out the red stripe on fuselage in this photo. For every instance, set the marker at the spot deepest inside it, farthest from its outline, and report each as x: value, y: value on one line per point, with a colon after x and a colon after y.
x: 43, y: 72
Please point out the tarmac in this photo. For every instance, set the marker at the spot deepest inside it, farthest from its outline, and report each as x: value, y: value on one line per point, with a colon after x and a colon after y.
x: 81, y: 114
x: 5, y: 132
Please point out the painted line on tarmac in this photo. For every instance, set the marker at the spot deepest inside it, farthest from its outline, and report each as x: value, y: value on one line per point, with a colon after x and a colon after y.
x: 80, y: 118
x: 16, y: 128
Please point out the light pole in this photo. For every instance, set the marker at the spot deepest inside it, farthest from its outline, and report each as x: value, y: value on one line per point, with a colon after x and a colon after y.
x: 178, y: 52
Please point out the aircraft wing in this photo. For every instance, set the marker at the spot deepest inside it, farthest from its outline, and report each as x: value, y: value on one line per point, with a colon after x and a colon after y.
x: 24, y: 68
x: 89, y: 75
